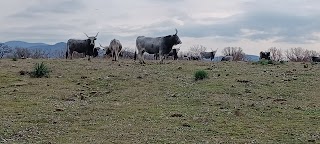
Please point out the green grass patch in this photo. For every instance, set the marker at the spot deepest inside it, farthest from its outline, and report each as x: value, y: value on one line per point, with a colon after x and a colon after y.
x: 200, y: 75
x: 40, y: 70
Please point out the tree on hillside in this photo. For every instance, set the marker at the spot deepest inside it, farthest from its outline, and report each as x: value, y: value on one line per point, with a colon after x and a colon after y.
x: 4, y: 49
x: 236, y: 52
x: 196, y: 49
x: 22, y: 53
x: 299, y: 54
x: 38, y: 54
x: 275, y: 54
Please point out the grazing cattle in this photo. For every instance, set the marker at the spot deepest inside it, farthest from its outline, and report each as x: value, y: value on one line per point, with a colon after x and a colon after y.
x: 174, y: 53
x: 194, y: 58
x: 265, y: 55
x: 95, y: 52
x: 315, y: 59
x: 227, y: 58
x: 159, y: 45
x: 81, y: 46
x: 114, y: 49
x: 208, y: 55
x: 156, y: 56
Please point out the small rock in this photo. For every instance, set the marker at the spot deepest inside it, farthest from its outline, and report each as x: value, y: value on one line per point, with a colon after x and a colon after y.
x: 173, y: 95
x: 84, y: 77
x: 176, y: 115
x: 237, y: 112
x: 312, y: 140
x: 186, y: 125
x: 59, y: 76
x: 23, y: 72
x: 279, y: 100
x: 139, y: 77
x: 298, y: 108
x: 59, y: 110
x: 180, y: 68
x: 219, y: 75
x: 247, y: 91
x: 93, y: 92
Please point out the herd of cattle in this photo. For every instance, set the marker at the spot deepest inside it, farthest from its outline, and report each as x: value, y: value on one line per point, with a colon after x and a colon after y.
x: 160, y: 47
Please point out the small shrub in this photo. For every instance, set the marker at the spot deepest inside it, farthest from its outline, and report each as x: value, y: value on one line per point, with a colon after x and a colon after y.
x: 200, y: 75
x: 40, y: 70
x: 14, y: 59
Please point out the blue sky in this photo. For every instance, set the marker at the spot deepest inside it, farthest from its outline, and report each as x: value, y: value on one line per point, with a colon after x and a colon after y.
x: 254, y: 25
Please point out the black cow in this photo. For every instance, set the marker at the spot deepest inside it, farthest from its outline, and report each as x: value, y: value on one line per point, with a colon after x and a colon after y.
x: 265, y: 55
x: 160, y: 45
x: 173, y: 52
x: 315, y: 59
x: 227, y: 58
x: 81, y: 46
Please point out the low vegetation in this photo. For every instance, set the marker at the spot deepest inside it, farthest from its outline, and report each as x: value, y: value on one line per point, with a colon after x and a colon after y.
x: 124, y: 102
x: 200, y: 75
x: 40, y: 70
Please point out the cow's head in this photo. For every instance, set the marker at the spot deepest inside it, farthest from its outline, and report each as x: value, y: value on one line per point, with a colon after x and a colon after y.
x: 92, y: 39
x: 176, y: 38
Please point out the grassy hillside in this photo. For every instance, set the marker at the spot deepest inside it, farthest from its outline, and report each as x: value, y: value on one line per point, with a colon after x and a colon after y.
x: 125, y: 102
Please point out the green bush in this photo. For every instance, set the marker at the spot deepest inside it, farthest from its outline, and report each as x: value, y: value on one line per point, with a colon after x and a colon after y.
x: 14, y: 59
x: 40, y: 70
x: 200, y: 75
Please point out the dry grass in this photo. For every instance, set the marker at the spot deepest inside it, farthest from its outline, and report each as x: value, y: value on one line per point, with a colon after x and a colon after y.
x: 125, y: 102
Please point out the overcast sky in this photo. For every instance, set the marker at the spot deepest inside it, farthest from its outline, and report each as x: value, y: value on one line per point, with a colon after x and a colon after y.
x: 254, y: 25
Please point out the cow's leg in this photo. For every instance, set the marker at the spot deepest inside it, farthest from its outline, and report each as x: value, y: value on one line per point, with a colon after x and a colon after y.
x: 140, y: 54
x: 161, y: 57
x: 143, y: 58
x: 117, y: 56
x: 112, y: 55
x: 71, y: 54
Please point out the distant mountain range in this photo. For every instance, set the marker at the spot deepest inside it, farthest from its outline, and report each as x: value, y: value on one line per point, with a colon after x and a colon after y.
x: 52, y: 50
x: 42, y: 46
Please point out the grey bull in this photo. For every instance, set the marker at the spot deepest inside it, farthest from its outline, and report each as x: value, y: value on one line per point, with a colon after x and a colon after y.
x: 114, y: 49
x: 208, y: 55
x: 81, y: 46
x: 158, y: 45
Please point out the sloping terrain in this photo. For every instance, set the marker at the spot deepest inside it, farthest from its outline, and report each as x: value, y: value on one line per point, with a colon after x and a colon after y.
x: 125, y: 102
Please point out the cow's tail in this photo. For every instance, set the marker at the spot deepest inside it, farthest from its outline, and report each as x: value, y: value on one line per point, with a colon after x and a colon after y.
x: 67, y: 51
x: 135, y: 55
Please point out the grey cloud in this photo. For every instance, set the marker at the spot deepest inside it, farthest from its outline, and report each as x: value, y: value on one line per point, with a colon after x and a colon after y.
x: 290, y: 27
x: 45, y: 7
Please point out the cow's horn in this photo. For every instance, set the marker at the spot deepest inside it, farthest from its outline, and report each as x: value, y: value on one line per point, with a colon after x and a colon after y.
x: 97, y: 34
x: 86, y: 35
x: 176, y: 32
